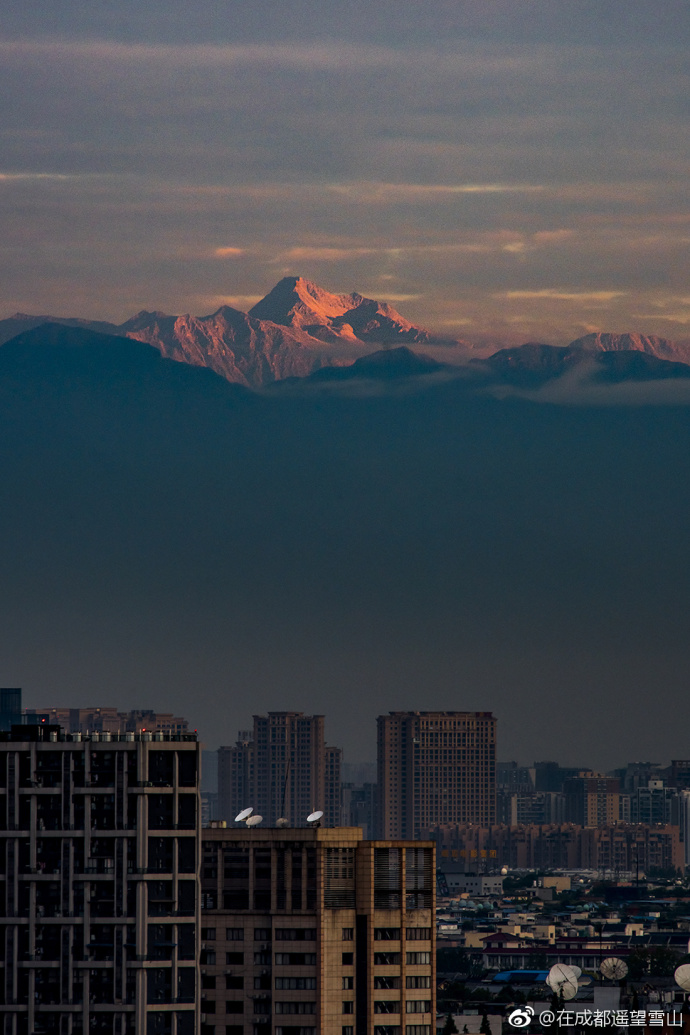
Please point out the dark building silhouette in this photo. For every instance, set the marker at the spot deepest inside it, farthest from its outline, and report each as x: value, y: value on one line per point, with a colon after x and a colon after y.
x: 99, y: 886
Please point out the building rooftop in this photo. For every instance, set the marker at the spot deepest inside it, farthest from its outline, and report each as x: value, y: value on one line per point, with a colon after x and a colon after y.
x: 42, y: 732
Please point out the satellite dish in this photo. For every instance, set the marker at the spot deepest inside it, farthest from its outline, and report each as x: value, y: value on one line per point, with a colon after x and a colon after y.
x: 563, y: 980
x: 504, y: 871
x: 254, y: 821
x: 314, y: 817
x: 576, y: 970
x: 243, y: 814
x: 615, y: 969
x: 682, y: 976
x: 282, y: 822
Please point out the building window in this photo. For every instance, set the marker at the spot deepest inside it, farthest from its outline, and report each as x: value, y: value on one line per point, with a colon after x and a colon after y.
x: 418, y: 981
x: 208, y: 957
x: 234, y: 957
x: 298, y: 983
x: 418, y: 957
x: 386, y: 934
x: 418, y: 1029
x: 262, y: 934
x: 295, y: 934
x: 236, y: 1007
x: 208, y: 934
x: 387, y: 1029
x: 293, y: 1007
x: 348, y: 982
x: 391, y: 959
x: 418, y: 1006
x: 348, y: 1029
x: 348, y: 959
x: 386, y: 981
x: 348, y: 934
x: 234, y: 934
x: 418, y: 934
x: 208, y: 981
x: 348, y: 1006
x: 386, y: 1006
x: 295, y: 959
x: 233, y: 982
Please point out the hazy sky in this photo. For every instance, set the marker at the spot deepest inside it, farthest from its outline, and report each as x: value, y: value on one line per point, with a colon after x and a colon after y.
x: 516, y: 169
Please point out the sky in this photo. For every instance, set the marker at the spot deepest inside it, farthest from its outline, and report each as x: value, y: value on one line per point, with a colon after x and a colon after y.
x: 501, y: 171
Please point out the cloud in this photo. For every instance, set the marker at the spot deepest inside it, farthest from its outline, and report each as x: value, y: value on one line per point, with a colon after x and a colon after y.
x: 20, y: 177
x: 372, y: 191
x: 324, y: 254
x: 228, y: 253
x: 564, y: 296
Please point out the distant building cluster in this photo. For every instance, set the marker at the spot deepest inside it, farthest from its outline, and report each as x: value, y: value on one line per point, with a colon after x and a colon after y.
x: 107, y: 720
x: 612, y: 849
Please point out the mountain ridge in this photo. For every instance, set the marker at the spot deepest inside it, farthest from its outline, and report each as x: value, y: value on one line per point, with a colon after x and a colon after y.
x: 298, y: 328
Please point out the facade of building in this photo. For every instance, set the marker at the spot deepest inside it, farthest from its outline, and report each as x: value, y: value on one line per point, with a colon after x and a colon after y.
x: 592, y: 799
x: 99, y: 882
x: 283, y: 769
x: 435, y: 768
x: 108, y: 720
x: 360, y: 807
x: 314, y: 931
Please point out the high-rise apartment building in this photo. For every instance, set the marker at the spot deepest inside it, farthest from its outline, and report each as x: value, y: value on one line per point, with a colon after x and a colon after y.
x: 592, y: 799
x: 283, y: 768
x: 99, y: 885
x: 316, y: 932
x: 433, y: 768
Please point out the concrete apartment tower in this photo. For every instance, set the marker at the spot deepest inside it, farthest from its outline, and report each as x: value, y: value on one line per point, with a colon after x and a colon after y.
x: 434, y: 768
x: 313, y: 931
x: 99, y: 882
x: 282, y: 769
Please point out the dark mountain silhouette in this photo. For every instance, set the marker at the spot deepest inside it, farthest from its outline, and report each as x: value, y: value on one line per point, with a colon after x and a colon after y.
x: 662, y: 348
x: 297, y: 328
x: 533, y: 364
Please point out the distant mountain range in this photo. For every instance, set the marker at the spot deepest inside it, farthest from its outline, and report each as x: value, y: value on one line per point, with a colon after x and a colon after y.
x: 299, y: 328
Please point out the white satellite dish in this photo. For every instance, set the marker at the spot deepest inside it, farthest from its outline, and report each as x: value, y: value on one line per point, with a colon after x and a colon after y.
x: 576, y: 970
x: 315, y: 817
x: 254, y: 821
x: 614, y: 969
x: 243, y: 814
x: 282, y: 822
x: 563, y: 980
x: 504, y: 871
x: 682, y: 976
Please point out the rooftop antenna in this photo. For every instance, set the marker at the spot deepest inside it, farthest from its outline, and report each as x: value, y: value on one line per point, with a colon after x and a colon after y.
x: 615, y: 969
x: 682, y: 976
x: 314, y: 819
x: 242, y: 816
x: 563, y: 980
x: 283, y: 822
